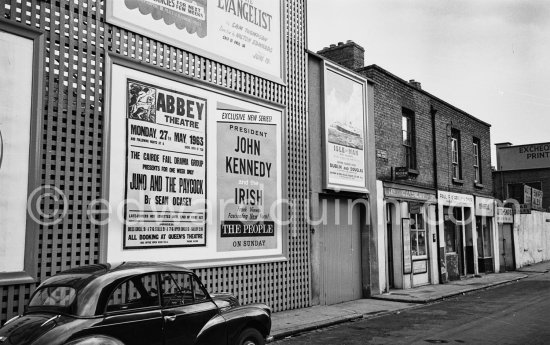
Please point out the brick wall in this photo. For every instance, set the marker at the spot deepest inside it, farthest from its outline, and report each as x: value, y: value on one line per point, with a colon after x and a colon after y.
x: 503, y: 178
x: 392, y: 95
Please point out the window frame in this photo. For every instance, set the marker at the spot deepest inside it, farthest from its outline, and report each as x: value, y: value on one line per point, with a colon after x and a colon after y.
x: 417, y: 230
x: 476, y: 146
x: 456, y: 154
x: 408, y: 132
x: 29, y: 273
x: 126, y: 280
x: 194, y: 281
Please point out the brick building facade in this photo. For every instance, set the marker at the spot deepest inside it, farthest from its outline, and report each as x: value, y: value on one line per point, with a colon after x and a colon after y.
x: 434, y: 181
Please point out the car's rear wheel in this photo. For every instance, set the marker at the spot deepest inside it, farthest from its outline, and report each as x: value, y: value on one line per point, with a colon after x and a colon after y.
x: 250, y: 336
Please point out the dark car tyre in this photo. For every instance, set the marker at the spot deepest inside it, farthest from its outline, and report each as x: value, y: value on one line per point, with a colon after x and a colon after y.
x: 250, y: 336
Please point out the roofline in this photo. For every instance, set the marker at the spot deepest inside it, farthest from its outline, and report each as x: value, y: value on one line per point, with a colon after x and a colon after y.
x: 374, y: 66
x: 514, y: 146
x: 320, y: 57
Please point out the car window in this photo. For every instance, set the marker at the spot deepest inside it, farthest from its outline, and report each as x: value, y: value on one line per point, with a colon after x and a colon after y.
x: 198, y: 289
x: 181, y: 289
x: 53, y: 296
x: 138, y: 292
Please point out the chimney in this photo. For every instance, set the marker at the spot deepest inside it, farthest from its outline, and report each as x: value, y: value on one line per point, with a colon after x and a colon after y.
x: 415, y: 84
x: 349, y: 54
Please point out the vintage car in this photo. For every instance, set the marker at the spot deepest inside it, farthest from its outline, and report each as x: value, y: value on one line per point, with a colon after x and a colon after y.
x: 134, y: 304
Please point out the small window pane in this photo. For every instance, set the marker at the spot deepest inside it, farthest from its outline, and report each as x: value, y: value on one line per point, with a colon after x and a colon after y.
x: 177, y: 289
x: 55, y: 296
x: 200, y: 294
x: 138, y: 292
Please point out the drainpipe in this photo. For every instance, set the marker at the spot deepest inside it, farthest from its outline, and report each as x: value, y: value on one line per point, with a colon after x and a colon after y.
x: 433, y: 112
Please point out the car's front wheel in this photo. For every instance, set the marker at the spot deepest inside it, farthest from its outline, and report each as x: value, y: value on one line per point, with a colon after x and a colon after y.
x: 250, y: 336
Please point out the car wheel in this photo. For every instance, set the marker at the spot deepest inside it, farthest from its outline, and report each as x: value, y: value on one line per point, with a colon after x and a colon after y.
x: 250, y: 336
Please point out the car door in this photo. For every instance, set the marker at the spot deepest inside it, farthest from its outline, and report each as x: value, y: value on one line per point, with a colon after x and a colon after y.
x: 186, y: 309
x: 133, y: 313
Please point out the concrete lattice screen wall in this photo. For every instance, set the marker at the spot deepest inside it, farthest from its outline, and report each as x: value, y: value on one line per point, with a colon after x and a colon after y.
x: 76, y: 42
x: 532, y: 238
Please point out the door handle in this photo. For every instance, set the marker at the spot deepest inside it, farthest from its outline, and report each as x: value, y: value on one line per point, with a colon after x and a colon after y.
x: 170, y: 318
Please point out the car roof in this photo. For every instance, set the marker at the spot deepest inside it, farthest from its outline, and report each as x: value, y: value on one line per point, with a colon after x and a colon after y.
x: 90, y: 281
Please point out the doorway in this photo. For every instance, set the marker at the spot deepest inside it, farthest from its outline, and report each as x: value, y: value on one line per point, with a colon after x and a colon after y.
x: 506, y: 248
x: 340, y: 270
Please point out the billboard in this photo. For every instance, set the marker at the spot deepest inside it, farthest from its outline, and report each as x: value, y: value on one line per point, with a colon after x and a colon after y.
x: 195, y: 175
x: 533, y: 156
x: 345, y: 128
x: 243, y: 34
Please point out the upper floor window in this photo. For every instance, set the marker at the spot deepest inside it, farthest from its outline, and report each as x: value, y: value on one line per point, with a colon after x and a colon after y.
x: 477, y: 160
x: 456, y: 154
x: 409, y: 138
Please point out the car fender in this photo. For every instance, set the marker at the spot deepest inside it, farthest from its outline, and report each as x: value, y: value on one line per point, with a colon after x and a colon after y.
x: 233, y: 321
x: 256, y: 316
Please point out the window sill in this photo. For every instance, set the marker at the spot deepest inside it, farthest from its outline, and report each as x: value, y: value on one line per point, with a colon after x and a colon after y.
x: 458, y: 181
x: 479, y: 185
x: 15, y: 278
x: 414, y: 172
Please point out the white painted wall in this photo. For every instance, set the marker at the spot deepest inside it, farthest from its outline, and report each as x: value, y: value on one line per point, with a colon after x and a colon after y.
x: 531, y: 238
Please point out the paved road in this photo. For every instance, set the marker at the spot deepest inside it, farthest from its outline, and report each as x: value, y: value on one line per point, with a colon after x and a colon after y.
x: 518, y: 313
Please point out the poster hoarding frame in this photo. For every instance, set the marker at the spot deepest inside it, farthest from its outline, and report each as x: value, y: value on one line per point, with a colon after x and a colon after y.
x: 280, y: 79
x: 328, y: 184
x: 28, y: 272
x: 113, y: 59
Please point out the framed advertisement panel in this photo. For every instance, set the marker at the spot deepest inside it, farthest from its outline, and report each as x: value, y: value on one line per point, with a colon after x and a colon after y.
x: 194, y: 173
x: 21, y: 64
x: 345, y: 128
x: 243, y: 34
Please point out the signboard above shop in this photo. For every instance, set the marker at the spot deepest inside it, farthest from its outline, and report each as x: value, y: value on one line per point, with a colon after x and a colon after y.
x: 484, y: 206
x: 455, y: 199
x: 243, y: 34
x: 505, y: 215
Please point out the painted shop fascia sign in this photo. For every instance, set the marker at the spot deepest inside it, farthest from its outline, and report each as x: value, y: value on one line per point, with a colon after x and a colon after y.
x: 455, y: 199
x: 533, y: 156
x: 505, y: 215
x: 484, y: 206
x: 397, y: 193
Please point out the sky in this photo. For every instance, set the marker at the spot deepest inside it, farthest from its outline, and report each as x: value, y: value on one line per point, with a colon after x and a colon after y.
x: 490, y: 58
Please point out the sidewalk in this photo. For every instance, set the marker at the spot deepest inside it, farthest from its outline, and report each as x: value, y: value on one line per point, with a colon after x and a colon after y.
x: 541, y: 267
x: 431, y: 293
x: 290, y: 322
x: 295, y: 321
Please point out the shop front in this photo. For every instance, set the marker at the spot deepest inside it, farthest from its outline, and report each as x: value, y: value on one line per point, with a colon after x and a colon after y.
x: 411, y: 245
x: 485, y: 213
x: 457, y: 235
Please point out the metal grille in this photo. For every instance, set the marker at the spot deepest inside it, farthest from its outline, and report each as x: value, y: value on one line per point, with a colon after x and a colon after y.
x: 76, y: 41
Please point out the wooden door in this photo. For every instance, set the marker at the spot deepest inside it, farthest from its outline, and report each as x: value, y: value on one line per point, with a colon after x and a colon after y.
x: 341, y: 252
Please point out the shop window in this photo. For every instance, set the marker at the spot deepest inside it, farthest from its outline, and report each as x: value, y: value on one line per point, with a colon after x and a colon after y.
x: 483, y: 228
x: 136, y: 293
x: 477, y: 160
x: 451, y: 218
x: 409, y: 139
x: 456, y: 155
x: 418, y: 235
